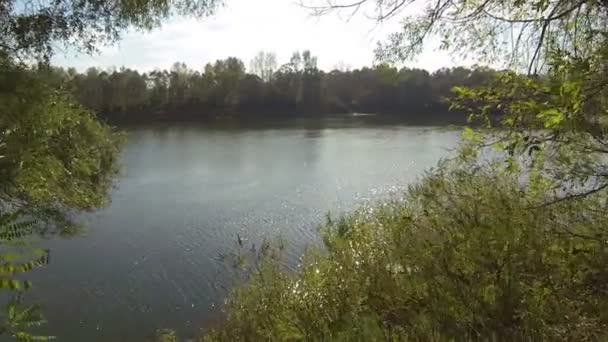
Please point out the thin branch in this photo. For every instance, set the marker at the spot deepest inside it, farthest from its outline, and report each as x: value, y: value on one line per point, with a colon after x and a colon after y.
x: 393, y: 11
x: 546, y: 24
x: 538, y: 46
x: 321, y: 10
x: 552, y: 15
x: 574, y: 196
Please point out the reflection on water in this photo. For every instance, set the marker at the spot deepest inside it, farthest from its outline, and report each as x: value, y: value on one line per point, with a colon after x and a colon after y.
x: 150, y: 260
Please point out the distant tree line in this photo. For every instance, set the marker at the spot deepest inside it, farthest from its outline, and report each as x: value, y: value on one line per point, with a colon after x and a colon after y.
x: 297, y: 88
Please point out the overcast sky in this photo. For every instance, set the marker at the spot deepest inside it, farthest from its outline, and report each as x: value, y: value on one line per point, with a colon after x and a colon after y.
x: 243, y: 27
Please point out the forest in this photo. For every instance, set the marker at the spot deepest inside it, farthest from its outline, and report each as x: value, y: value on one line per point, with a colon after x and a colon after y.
x: 297, y: 88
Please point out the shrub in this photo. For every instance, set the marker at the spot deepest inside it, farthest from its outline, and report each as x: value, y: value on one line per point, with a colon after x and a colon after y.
x: 466, y: 254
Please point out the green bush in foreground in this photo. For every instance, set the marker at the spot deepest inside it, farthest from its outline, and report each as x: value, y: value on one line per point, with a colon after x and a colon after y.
x: 467, y: 254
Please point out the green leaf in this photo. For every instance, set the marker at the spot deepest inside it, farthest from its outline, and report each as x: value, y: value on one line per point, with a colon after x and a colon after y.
x: 551, y: 117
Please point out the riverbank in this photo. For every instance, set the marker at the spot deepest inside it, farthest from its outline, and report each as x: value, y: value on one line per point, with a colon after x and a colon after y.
x: 266, y: 118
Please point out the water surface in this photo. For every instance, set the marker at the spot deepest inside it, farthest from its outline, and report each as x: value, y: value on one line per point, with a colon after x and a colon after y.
x: 150, y: 260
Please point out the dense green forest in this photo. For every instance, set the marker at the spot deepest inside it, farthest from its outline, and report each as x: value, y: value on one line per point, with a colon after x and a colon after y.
x: 297, y: 88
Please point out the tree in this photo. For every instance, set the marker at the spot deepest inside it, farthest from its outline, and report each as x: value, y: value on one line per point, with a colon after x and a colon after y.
x: 251, y: 93
x: 55, y: 153
x: 295, y: 62
x: 309, y: 90
x: 228, y: 73
x: 477, y: 28
x: 31, y: 31
x: 310, y: 62
x: 179, y: 84
x: 264, y: 65
x: 342, y: 66
x: 159, y: 89
x: 90, y: 88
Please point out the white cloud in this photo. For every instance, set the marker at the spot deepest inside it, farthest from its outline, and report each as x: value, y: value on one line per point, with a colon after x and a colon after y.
x: 244, y: 27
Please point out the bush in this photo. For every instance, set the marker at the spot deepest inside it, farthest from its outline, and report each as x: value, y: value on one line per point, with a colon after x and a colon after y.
x: 467, y: 254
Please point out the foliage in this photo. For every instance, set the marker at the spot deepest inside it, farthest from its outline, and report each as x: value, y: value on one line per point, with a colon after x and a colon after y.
x: 55, y: 154
x: 558, y: 118
x: 513, y: 32
x: 31, y: 28
x: 466, y: 254
x: 18, y: 256
x: 165, y: 335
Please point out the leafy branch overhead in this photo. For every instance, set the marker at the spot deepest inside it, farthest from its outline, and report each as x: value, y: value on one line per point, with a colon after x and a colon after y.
x: 35, y: 28
x: 55, y: 155
x: 554, y: 98
x: 515, y: 32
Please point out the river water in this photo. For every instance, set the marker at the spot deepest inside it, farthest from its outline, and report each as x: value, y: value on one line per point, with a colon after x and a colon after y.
x: 151, y: 259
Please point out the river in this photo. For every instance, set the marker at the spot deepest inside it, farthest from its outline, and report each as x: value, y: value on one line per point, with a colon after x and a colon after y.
x: 151, y: 259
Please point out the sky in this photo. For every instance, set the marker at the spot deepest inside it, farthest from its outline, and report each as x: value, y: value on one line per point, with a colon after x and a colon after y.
x: 242, y: 28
